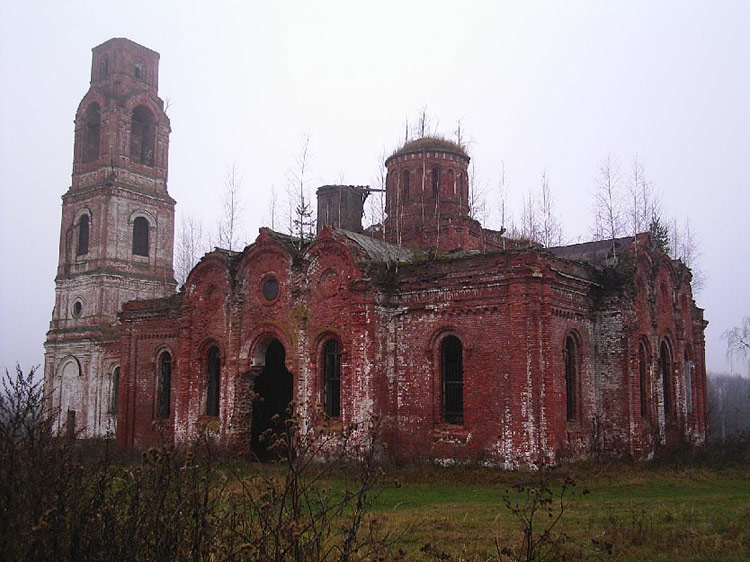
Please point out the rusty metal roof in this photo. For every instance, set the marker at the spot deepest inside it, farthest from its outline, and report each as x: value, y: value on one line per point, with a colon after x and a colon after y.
x: 380, y: 251
x: 596, y: 253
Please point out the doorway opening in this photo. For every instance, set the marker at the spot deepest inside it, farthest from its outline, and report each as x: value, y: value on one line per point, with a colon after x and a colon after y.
x: 273, y: 387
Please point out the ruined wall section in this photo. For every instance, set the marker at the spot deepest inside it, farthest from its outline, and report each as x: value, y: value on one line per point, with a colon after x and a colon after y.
x: 149, y: 329
x: 510, y: 311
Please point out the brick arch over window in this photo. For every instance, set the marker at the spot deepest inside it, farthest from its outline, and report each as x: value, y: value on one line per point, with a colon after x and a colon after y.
x: 91, y: 132
x: 572, y: 360
x: 143, y: 136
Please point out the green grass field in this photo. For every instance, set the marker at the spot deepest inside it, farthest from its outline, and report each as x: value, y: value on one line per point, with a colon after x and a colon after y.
x: 633, y: 512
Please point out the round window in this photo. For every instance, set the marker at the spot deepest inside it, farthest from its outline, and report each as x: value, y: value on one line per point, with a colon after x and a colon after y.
x: 77, y: 309
x: 270, y: 288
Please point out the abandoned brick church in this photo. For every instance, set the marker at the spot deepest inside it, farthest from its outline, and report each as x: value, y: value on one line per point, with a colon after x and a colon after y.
x: 468, y: 345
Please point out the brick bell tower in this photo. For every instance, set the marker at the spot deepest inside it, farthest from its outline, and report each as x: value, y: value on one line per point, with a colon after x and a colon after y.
x: 116, y: 236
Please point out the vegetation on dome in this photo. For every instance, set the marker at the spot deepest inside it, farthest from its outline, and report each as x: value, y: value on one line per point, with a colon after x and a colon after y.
x: 430, y: 143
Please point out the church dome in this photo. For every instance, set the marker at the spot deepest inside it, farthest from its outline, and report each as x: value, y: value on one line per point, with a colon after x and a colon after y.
x: 429, y: 144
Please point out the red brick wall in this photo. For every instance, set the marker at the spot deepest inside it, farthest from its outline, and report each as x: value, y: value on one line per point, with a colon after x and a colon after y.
x: 512, y: 311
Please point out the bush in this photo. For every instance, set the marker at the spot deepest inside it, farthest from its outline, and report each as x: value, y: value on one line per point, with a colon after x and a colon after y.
x: 180, y: 503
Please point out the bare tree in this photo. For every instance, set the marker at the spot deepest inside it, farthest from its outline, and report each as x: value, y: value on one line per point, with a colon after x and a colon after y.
x: 685, y: 246
x: 637, y: 219
x: 273, y: 206
x: 550, y: 229
x: 459, y: 133
x: 191, y: 244
x: 229, y: 224
x: 426, y: 125
x: 301, y: 220
x: 607, y: 200
x: 502, y: 197
x: 375, y: 202
x: 738, y: 342
x: 477, y: 203
x: 529, y: 228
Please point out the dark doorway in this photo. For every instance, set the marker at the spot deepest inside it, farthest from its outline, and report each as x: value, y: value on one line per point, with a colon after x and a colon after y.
x: 273, y: 387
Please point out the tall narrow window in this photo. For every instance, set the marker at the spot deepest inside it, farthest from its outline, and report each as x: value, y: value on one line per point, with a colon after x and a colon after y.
x: 451, y: 181
x: 213, y: 369
x: 91, y: 133
x: 571, y: 378
x: 114, y: 392
x: 142, y: 136
x: 165, y: 385
x: 689, y: 366
x: 332, y: 379
x: 461, y: 187
x: 83, y: 235
x: 665, y: 364
x: 643, y: 385
x: 405, y: 185
x: 104, y: 68
x: 452, y: 379
x: 435, y: 180
x: 140, y: 237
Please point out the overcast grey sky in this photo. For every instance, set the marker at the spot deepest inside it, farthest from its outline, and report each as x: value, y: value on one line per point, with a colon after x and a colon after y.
x: 552, y: 86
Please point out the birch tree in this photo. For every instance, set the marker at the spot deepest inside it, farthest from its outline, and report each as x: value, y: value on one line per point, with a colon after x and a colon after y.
x: 232, y: 210
x: 550, y: 228
x: 301, y: 212
x: 529, y: 228
x: 637, y: 217
x: 190, y: 246
x: 502, y: 197
x: 738, y: 342
x: 608, y: 220
x: 477, y: 203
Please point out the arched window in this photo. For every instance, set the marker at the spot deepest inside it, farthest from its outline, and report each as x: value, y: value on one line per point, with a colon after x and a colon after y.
x: 140, y: 236
x: 104, y: 68
x: 572, y: 362
x: 114, y: 392
x: 643, y: 384
x: 138, y: 72
x: 83, y: 235
x: 452, y: 379
x: 165, y: 385
x: 461, y: 187
x: 665, y: 366
x: 405, y: 185
x: 142, y: 136
x: 435, y: 180
x: 91, y: 132
x: 332, y: 379
x: 213, y: 370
